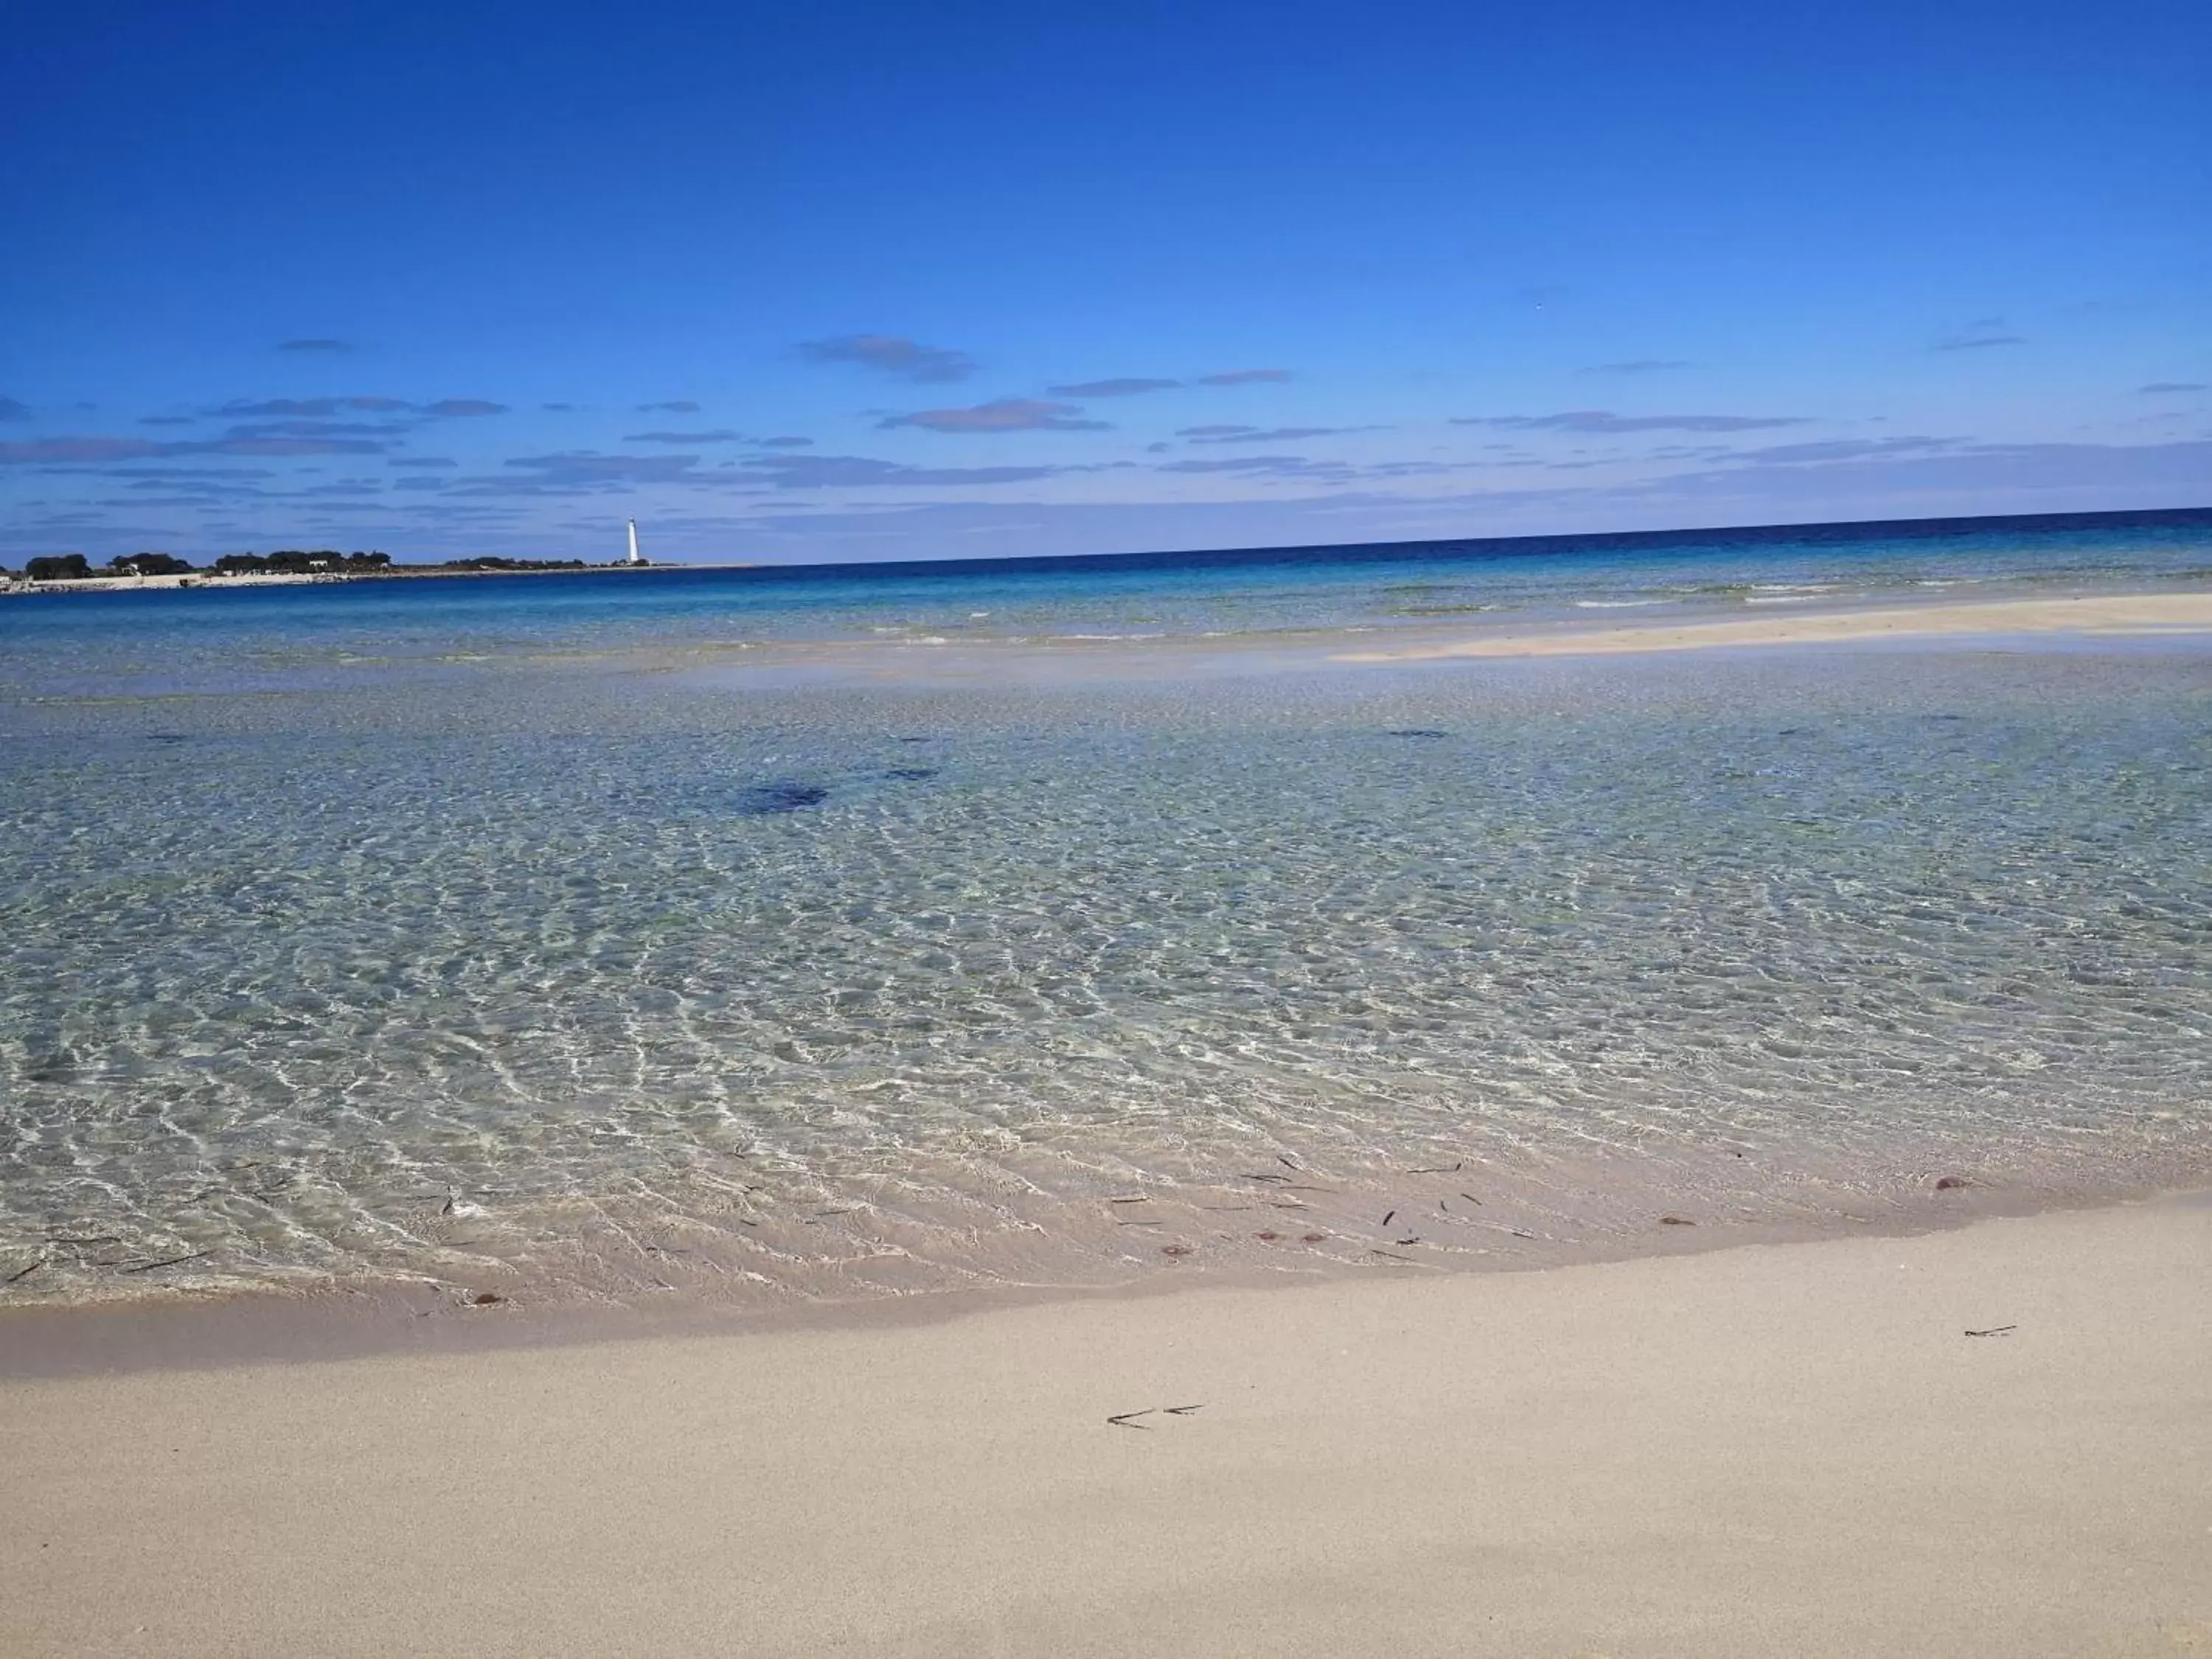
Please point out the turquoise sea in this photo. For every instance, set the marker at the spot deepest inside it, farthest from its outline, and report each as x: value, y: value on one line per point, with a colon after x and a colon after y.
x: 785, y: 935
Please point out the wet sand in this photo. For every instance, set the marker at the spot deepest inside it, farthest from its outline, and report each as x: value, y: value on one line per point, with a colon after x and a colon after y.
x: 1792, y: 1448
x: 2105, y: 615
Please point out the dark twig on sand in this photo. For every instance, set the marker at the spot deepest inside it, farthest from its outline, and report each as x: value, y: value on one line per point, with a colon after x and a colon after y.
x: 1996, y: 1330
x: 1471, y: 1198
x: 24, y: 1272
x: 1387, y: 1216
x: 165, y: 1261
x: 1454, y: 1169
x: 1128, y: 1420
x: 1181, y: 1411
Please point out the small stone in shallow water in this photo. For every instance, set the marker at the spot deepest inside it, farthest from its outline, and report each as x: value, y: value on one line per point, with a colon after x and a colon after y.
x: 1951, y: 1183
x: 784, y: 795
x: 486, y: 1299
x: 1676, y: 1221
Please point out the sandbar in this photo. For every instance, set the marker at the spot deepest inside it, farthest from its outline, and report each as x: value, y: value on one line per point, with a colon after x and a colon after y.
x: 1793, y: 1448
x: 2105, y: 615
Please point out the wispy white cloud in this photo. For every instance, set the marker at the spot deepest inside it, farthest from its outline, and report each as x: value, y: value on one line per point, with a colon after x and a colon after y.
x: 1604, y: 421
x: 313, y: 408
x: 1273, y: 435
x: 1122, y: 388
x: 1978, y: 336
x: 892, y: 354
x: 835, y: 471
x: 1001, y: 415
x: 92, y: 451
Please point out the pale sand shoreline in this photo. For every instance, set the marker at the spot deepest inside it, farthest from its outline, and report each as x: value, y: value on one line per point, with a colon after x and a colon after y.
x: 2104, y: 615
x: 2176, y: 616
x: 1774, y: 1450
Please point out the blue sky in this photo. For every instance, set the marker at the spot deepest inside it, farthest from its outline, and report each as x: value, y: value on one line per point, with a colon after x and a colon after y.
x: 856, y: 280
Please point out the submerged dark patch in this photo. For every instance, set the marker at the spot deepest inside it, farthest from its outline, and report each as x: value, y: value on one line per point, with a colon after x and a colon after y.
x: 911, y: 773
x: 166, y: 737
x: 784, y: 795
x: 1419, y: 731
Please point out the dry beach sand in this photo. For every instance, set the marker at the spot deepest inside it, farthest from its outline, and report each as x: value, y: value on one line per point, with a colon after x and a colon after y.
x: 1774, y: 1450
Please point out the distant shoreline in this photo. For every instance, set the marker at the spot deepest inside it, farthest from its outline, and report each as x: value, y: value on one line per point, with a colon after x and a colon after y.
x: 20, y: 587
x: 1814, y: 533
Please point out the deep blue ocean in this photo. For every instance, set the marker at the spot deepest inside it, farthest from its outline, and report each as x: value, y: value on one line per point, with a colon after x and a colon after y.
x: 791, y: 934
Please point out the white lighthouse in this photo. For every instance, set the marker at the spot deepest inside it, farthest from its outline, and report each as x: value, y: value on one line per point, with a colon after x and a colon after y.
x: 635, y: 557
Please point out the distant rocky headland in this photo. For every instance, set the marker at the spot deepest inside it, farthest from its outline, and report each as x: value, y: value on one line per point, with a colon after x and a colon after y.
x: 73, y: 570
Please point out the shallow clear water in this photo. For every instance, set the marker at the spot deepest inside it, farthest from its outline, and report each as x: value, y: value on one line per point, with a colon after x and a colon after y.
x: 603, y: 981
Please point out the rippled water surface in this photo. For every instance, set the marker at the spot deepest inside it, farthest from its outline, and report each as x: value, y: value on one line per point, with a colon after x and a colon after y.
x: 595, y: 982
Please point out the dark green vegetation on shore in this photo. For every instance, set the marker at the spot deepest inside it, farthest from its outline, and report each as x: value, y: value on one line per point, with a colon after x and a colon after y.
x: 287, y: 561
